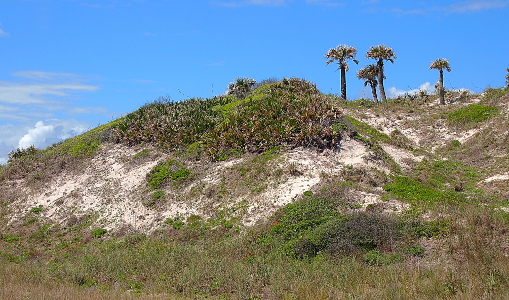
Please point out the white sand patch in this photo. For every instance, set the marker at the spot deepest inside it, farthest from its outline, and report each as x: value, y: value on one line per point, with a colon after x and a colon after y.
x: 106, y: 186
x: 312, y: 166
x: 499, y: 177
x: 401, y: 156
x: 351, y: 152
x: 369, y: 199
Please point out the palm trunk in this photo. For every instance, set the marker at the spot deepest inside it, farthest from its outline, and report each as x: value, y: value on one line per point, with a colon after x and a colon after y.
x: 441, y: 87
x: 381, y: 80
x: 343, y: 82
x: 373, y: 90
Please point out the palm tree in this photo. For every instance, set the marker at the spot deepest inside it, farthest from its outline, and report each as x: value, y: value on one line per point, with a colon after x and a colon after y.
x: 369, y: 73
x: 342, y: 53
x: 441, y: 64
x: 381, y: 53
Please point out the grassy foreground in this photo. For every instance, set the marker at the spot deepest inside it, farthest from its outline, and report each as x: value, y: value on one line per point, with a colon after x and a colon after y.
x: 466, y: 263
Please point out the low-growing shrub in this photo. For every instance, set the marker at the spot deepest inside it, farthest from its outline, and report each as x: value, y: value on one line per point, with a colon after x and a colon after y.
x: 165, y: 171
x: 37, y: 209
x: 22, y: 152
x: 474, y: 113
x: 314, y: 225
x: 98, y: 232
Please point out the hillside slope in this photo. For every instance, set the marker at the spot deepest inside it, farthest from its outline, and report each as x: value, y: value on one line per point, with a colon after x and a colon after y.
x: 285, y: 160
x: 112, y: 183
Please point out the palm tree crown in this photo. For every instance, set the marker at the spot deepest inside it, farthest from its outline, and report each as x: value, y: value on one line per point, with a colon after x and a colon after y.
x: 342, y: 53
x: 381, y: 53
x: 370, y: 73
x: 440, y: 64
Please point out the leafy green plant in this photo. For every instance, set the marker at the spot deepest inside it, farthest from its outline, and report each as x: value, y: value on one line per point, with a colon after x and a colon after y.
x: 10, y: 238
x: 157, y: 195
x: 37, y: 209
x: 98, y: 232
x: 418, y: 193
x: 377, y: 258
x: 30, y: 151
x: 168, y: 170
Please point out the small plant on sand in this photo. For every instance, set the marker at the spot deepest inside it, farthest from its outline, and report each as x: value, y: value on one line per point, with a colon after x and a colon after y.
x: 37, y: 209
x: 170, y: 170
x: 98, y: 232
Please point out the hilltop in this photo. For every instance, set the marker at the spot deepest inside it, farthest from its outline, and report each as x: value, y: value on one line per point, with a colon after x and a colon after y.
x: 285, y: 171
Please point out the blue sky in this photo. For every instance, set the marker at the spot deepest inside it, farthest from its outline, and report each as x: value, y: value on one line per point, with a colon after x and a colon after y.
x: 69, y: 65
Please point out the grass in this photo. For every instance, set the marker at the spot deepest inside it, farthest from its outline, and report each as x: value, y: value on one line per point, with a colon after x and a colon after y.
x: 216, y: 265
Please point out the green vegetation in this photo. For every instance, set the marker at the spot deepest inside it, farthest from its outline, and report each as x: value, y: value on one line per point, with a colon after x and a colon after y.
x: 170, y: 170
x: 289, y: 113
x: 36, y: 210
x: 98, y: 232
x: 474, y: 113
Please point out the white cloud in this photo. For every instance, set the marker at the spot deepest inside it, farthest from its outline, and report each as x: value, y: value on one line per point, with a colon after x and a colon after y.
x: 3, y: 33
x: 393, y: 92
x: 325, y: 2
x: 458, y: 7
x: 41, y: 135
x: 54, y: 131
x: 36, y: 93
x: 429, y: 88
x: 468, y: 6
x: 87, y: 110
x: 252, y: 2
x: 36, y: 97
x: 42, y: 75
x: 42, y: 87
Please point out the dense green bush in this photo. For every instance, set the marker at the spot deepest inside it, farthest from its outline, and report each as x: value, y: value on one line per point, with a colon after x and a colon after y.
x: 291, y: 113
x: 315, y: 225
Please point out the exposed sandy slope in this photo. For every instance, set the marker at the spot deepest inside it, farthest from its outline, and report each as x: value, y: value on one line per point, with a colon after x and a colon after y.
x: 111, y: 185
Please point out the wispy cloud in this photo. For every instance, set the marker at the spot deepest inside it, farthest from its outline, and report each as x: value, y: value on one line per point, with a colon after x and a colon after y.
x: 408, y: 12
x: 325, y: 2
x: 473, y: 6
x: 38, y: 97
x: 3, y: 33
x: 458, y: 7
x: 251, y: 2
x: 41, y: 88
